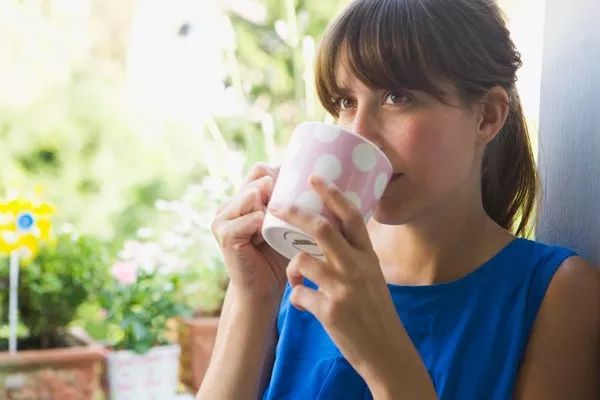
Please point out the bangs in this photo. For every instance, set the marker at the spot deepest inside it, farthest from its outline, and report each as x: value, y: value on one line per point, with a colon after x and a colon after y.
x: 385, y: 45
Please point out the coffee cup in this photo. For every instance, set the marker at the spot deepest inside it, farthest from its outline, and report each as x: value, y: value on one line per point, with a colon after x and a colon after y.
x: 356, y: 165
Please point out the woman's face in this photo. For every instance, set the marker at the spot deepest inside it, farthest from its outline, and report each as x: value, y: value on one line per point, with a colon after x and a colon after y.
x: 433, y: 145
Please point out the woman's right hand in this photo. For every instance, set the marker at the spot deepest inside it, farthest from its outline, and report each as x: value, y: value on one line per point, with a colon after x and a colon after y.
x: 256, y: 270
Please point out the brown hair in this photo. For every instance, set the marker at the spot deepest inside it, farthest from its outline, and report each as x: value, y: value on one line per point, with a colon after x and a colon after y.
x: 394, y: 44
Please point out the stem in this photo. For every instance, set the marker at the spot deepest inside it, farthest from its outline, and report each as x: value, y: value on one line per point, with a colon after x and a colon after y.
x: 292, y: 22
x: 13, y: 301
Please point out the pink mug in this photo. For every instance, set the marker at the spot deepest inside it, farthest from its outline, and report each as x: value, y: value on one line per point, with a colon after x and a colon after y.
x: 356, y: 165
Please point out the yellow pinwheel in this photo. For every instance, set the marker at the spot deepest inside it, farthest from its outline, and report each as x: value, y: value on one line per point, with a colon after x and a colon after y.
x: 23, y: 225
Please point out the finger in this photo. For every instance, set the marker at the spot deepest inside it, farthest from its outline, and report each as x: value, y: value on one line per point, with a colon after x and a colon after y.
x: 307, y: 299
x: 262, y: 176
x: 265, y: 181
x: 260, y: 169
x: 249, y: 199
x: 330, y: 240
x: 353, y: 225
x: 239, y: 231
x: 242, y: 203
x: 303, y: 265
x: 294, y: 277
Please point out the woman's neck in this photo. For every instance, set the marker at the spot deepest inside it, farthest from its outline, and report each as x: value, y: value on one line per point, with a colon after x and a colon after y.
x: 442, y: 246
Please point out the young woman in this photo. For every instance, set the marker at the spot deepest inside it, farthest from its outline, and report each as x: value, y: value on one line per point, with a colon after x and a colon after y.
x: 438, y: 295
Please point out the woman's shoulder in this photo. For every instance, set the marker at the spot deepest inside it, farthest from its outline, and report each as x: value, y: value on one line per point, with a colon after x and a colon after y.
x: 544, y: 249
x: 575, y: 286
x: 567, y: 327
x: 565, y: 264
x: 543, y: 259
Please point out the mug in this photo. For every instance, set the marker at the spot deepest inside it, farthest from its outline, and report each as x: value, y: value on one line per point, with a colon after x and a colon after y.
x: 357, y: 166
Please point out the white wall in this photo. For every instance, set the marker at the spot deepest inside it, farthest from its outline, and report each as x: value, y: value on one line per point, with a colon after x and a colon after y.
x: 569, y: 142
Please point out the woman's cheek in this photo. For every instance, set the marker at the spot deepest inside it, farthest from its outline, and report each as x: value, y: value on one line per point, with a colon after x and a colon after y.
x: 433, y: 155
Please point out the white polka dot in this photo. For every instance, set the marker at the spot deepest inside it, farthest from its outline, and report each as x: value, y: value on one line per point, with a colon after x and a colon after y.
x: 288, y: 182
x: 326, y: 134
x: 364, y: 157
x: 328, y: 166
x: 354, y: 198
x: 380, y: 184
x: 368, y: 215
x: 310, y: 200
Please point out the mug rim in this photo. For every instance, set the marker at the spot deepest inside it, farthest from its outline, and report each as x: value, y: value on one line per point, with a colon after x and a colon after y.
x: 354, y: 134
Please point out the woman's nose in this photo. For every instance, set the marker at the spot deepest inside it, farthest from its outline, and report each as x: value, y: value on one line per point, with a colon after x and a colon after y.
x: 366, y: 125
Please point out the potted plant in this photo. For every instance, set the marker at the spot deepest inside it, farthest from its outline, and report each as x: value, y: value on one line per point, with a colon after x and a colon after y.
x: 185, y: 245
x: 53, y: 361
x: 139, y: 304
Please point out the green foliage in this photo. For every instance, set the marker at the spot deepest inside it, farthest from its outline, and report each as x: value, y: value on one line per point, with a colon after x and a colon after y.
x: 180, y: 242
x: 137, y: 314
x: 79, y: 147
x: 73, y: 137
x: 61, y: 278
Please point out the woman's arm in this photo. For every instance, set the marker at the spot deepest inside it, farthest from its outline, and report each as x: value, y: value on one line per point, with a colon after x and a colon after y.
x: 242, y: 358
x: 562, y: 359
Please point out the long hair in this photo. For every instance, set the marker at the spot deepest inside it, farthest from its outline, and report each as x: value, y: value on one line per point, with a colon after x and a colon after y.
x: 393, y: 44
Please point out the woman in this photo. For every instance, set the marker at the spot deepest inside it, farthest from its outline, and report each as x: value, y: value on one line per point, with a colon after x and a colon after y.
x: 435, y: 296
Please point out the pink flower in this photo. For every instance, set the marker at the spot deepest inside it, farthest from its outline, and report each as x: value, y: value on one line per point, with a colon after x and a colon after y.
x: 102, y: 313
x: 124, y: 271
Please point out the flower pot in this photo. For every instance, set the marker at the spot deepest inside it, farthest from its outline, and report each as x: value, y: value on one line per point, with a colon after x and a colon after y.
x: 152, y: 375
x: 197, y: 339
x: 62, y: 373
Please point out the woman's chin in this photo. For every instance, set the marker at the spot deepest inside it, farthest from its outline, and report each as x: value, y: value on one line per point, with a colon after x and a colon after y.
x: 388, y: 214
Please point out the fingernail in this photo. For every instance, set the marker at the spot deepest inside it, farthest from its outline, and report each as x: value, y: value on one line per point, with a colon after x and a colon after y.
x: 315, y: 179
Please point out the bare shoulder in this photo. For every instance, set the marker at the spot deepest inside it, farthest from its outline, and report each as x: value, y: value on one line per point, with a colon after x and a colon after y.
x: 562, y: 357
x: 576, y: 285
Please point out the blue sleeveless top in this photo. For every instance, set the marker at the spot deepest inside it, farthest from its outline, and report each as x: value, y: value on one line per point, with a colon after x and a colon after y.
x: 471, y: 333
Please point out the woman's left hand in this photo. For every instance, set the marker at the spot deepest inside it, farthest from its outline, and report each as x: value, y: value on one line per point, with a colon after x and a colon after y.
x: 353, y: 302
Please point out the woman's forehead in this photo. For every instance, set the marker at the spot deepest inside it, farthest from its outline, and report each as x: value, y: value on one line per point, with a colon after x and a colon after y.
x: 345, y: 78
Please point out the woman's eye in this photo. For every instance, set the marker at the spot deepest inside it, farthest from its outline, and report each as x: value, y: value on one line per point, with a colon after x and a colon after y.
x: 397, y: 98
x: 344, y: 103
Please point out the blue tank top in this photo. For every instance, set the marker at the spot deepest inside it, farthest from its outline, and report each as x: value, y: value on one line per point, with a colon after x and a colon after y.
x: 471, y: 333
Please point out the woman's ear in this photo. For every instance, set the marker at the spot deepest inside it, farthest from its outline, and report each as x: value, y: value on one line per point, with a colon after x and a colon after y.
x: 494, y: 109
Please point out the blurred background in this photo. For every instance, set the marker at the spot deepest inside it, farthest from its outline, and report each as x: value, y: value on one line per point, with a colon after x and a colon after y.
x: 134, y: 120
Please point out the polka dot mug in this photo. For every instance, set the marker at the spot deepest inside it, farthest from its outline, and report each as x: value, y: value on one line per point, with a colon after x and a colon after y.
x: 356, y: 165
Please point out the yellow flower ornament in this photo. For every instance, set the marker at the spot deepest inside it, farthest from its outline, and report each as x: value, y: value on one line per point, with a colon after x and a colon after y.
x: 23, y: 225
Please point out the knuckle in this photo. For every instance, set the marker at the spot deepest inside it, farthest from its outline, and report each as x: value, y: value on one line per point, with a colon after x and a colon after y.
x: 298, y: 258
x: 236, y: 246
x: 263, y: 169
x: 252, y: 191
x: 343, y: 294
x: 354, y: 217
x: 218, y: 233
x: 330, y: 312
x: 258, y: 167
x: 267, y: 179
x: 292, y: 269
x: 322, y: 227
x: 332, y: 191
x: 225, y: 239
x: 294, y: 297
